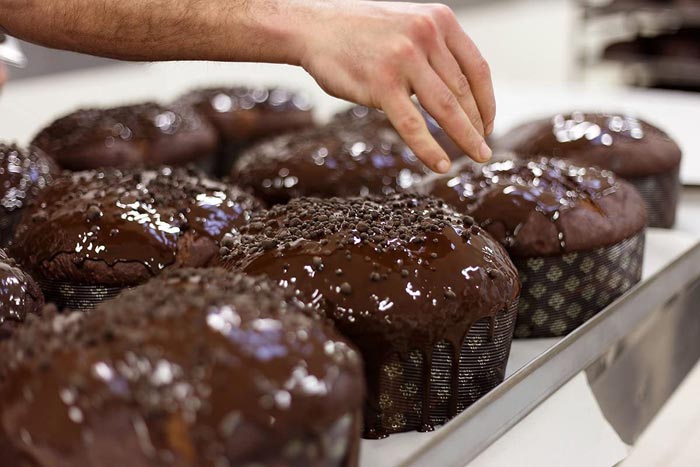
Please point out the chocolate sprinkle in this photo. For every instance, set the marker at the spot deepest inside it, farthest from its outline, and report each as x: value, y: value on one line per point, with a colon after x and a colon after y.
x: 403, y: 305
x: 120, y: 227
x: 206, y: 366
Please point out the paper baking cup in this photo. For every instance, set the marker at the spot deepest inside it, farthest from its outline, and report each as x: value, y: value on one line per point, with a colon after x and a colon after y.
x: 559, y: 293
x: 660, y: 193
x: 482, y: 367
x: 76, y: 296
x: 8, y: 222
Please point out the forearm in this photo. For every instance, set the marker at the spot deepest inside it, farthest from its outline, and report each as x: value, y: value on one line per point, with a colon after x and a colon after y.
x: 226, y: 30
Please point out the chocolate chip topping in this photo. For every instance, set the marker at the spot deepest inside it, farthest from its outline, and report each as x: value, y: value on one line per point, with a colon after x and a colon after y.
x: 115, y: 227
x: 146, y: 134
x: 626, y: 145
x: 545, y: 206
x: 205, y: 366
x: 23, y: 174
x: 408, y: 307
x: 19, y: 295
x: 335, y: 160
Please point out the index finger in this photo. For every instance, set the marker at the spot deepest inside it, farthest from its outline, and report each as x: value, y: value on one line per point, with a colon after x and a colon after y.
x: 412, y: 128
x: 477, y: 71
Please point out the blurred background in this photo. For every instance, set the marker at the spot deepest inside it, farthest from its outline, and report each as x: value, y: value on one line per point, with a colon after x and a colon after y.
x: 651, y: 43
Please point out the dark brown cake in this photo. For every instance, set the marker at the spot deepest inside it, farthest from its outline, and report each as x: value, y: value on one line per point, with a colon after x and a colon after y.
x: 110, y: 229
x: 336, y: 160
x: 365, y: 117
x: 635, y: 150
x: 423, y: 293
x: 243, y: 115
x: 144, y: 135
x: 195, y: 368
x: 19, y: 295
x: 575, y: 234
x: 23, y: 174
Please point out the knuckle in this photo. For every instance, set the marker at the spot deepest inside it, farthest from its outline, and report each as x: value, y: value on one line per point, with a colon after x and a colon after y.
x: 409, y: 124
x: 462, y: 88
x: 402, y: 50
x: 447, y: 101
x: 482, y: 69
x: 423, y: 27
x: 442, y: 12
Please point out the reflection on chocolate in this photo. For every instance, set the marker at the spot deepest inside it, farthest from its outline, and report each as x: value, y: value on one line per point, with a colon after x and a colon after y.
x: 195, y: 368
x: 243, y: 115
x: 119, y: 228
x: 19, y: 295
x: 633, y: 149
x: 628, y: 146
x: 336, y: 160
x: 544, y: 207
x: 131, y: 136
x: 361, y: 116
x: 395, y: 274
x: 23, y: 174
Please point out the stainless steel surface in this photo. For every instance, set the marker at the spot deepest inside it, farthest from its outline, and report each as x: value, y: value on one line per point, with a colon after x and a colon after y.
x: 635, y: 377
x: 10, y: 52
x: 617, y: 337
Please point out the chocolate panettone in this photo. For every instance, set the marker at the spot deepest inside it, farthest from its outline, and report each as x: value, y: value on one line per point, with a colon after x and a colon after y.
x: 635, y: 150
x: 329, y: 161
x: 20, y: 296
x: 360, y: 116
x: 143, y: 135
x: 428, y: 297
x: 92, y: 233
x: 23, y: 174
x: 243, y: 115
x: 575, y: 234
x: 195, y: 368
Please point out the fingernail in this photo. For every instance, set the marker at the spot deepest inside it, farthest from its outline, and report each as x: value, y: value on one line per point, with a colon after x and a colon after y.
x: 443, y: 166
x: 485, y: 151
x: 489, y: 129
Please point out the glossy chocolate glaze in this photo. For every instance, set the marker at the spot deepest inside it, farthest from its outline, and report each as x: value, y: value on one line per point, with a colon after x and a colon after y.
x: 394, y: 274
x: 19, y: 295
x: 336, y: 160
x: 243, y: 114
x: 362, y: 116
x: 23, y: 174
x: 545, y: 206
x: 196, y: 368
x: 628, y: 146
x: 140, y: 135
x: 113, y: 227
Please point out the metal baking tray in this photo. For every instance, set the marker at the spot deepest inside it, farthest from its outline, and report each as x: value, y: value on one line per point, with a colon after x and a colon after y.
x: 633, y: 355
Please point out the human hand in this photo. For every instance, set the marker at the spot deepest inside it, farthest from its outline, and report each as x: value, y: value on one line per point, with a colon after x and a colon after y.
x: 3, y: 75
x: 379, y: 54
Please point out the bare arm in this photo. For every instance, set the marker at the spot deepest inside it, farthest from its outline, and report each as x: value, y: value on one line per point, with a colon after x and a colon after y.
x: 373, y: 53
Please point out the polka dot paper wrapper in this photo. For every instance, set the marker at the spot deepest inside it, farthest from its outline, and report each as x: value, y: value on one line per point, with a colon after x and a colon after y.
x: 75, y: 296
x: 482, y: 367
x: 559, y: 293
x: 660, y: 193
